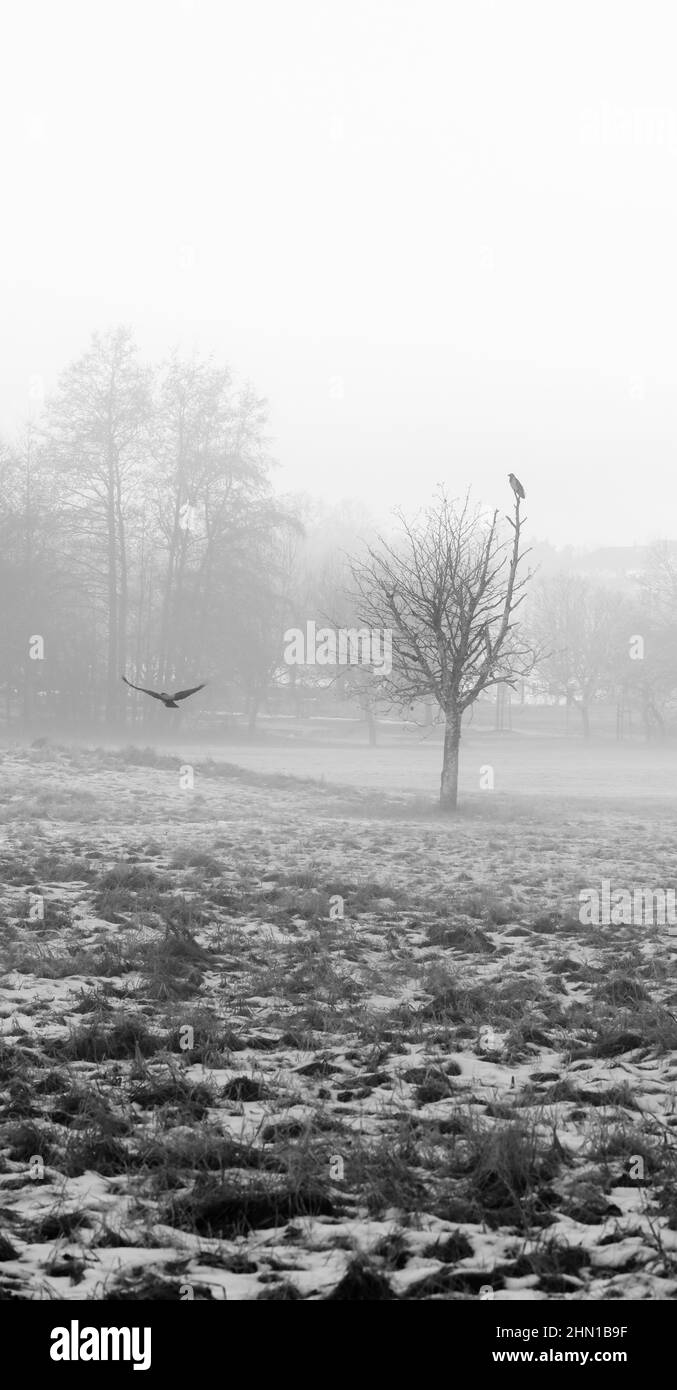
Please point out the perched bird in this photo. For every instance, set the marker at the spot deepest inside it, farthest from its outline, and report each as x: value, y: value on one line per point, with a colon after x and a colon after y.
x: 169, y: 701
x: 516, y: 485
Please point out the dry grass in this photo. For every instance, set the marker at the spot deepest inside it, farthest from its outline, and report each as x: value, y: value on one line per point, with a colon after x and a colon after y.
x: 454, y: 1083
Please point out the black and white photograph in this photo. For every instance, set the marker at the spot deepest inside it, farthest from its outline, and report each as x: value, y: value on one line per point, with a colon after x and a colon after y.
x: 338, y: 662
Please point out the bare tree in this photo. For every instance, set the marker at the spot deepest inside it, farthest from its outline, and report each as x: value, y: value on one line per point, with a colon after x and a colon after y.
x: 33, y: 585
x: 649, y: 677
x: 449, y: 591
x: 96, y: 423
x: 584, y: 628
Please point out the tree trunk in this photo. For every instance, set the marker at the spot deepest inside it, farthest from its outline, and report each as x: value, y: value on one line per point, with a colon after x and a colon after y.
x: 254, y: 703
x: 585, y: 716
x: 371, y: 727
x: 449, y: 778
x: 112, y: 673
x: 163, y: 645
x: 123, y: 601
x: 296, y: 693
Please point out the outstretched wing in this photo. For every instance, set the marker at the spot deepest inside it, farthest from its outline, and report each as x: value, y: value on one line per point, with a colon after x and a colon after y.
x: 183, y: 694
x: 142, y: 688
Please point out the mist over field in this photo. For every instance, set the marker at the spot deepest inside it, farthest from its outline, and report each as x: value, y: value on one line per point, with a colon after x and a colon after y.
x: 338, y: 654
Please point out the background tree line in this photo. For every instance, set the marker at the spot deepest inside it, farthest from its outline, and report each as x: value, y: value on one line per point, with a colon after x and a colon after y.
x: 140, y: 532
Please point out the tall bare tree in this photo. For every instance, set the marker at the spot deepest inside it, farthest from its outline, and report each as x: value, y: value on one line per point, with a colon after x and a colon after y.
x: 649, y: 677
x: 449, y: 590
x: 95, y: 430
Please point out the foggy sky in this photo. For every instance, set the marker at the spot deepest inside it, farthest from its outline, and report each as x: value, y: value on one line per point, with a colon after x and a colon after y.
x: 438, y: 236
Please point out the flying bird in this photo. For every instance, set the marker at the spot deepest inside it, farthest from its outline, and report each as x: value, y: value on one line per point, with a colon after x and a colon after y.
x: 169, y: 701
x: 516, y: 485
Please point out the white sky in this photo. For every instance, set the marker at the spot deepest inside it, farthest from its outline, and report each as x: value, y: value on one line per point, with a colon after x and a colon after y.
x: 439, y: 235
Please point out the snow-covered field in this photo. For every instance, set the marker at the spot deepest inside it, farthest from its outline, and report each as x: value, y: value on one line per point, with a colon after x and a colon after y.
x: 212, y: 1085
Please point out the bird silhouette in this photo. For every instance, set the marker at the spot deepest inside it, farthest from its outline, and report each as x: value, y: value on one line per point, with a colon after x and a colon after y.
x: 516, y: 485
x: 169, y: 701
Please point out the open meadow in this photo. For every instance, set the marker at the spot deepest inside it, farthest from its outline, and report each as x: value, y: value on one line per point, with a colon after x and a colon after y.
x: 291, y: 1034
